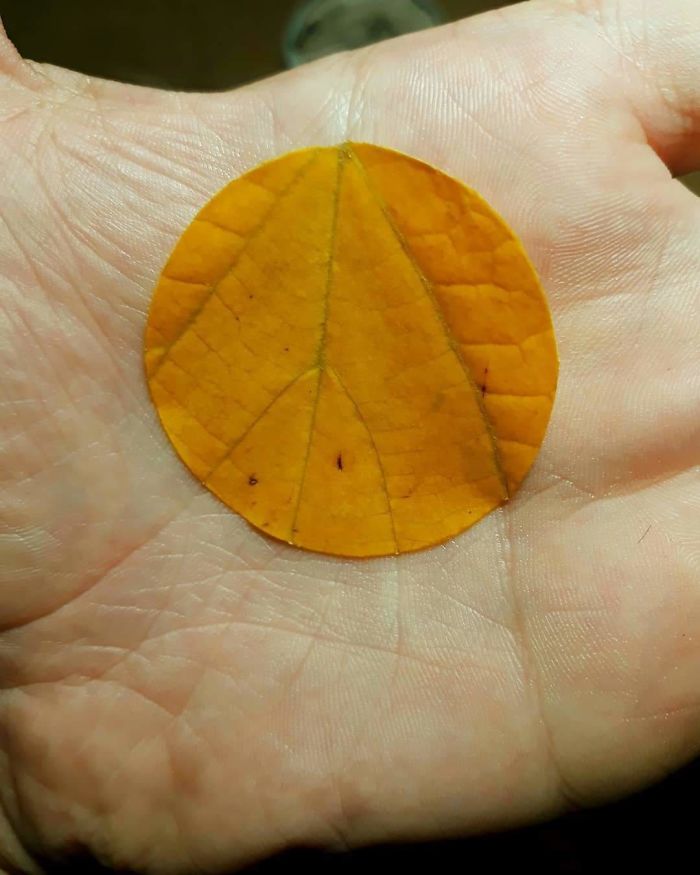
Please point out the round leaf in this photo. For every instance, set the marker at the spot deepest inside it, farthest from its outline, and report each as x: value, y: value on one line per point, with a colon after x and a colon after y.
x: 353, y: 351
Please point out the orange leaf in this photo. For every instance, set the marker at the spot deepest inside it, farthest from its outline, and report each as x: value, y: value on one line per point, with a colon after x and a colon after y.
x: 353, y: 351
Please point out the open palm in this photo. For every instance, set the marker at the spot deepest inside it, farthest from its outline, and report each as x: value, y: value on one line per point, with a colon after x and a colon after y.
x: 180, y: 693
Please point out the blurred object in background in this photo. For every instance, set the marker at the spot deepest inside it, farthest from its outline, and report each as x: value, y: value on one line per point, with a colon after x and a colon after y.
x: 322, y: 27
x: 208, y: 45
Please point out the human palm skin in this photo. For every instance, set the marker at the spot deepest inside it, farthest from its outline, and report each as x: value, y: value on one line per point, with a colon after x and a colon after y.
x: 182, y: 694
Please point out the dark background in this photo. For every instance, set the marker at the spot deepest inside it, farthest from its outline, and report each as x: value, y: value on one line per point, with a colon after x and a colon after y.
x: 186, y: 44
x: 215, y: 44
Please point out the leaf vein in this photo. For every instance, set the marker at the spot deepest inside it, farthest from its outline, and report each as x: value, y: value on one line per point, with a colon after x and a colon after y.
x: 320, y: 355
x: 213, y: 289
x: 255, y: 421
x: 427, y: 285
x: 382, y: 471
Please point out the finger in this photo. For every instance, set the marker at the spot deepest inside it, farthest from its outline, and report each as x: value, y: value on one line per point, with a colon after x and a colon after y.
x: 14, y: 70
x: 10, y: 62
x: 658, y: 47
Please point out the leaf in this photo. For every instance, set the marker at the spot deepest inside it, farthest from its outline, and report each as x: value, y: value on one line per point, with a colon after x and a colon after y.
x: 353, y: 351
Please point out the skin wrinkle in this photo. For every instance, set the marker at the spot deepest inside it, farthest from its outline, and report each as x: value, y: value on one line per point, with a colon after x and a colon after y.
x: 613, y: 633
x: 137, y: 189
x: 149, y: 702
x: 72, y: 404
x: 594, y: 10
x: 63, y: 224
x: 530, y: 668
x: 316, y: 636
x: 254, y: 584
x: 88, y: 814
x: 125, y: 557
x: 69, y: 456
x: 139, y: 150
x: 611, y: 494
x: 147, y: 636
x: 18, y: 850
x: 655, y: 281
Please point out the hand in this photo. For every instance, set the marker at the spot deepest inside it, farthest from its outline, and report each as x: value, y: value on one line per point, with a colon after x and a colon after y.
x: 181, y: 693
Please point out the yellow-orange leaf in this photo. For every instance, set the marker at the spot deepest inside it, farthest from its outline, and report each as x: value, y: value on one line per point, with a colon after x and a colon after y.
x: 353, y: 351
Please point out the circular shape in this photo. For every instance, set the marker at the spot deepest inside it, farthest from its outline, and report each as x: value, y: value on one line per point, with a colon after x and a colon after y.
x: 322, y: 27
x: 352, y: 350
